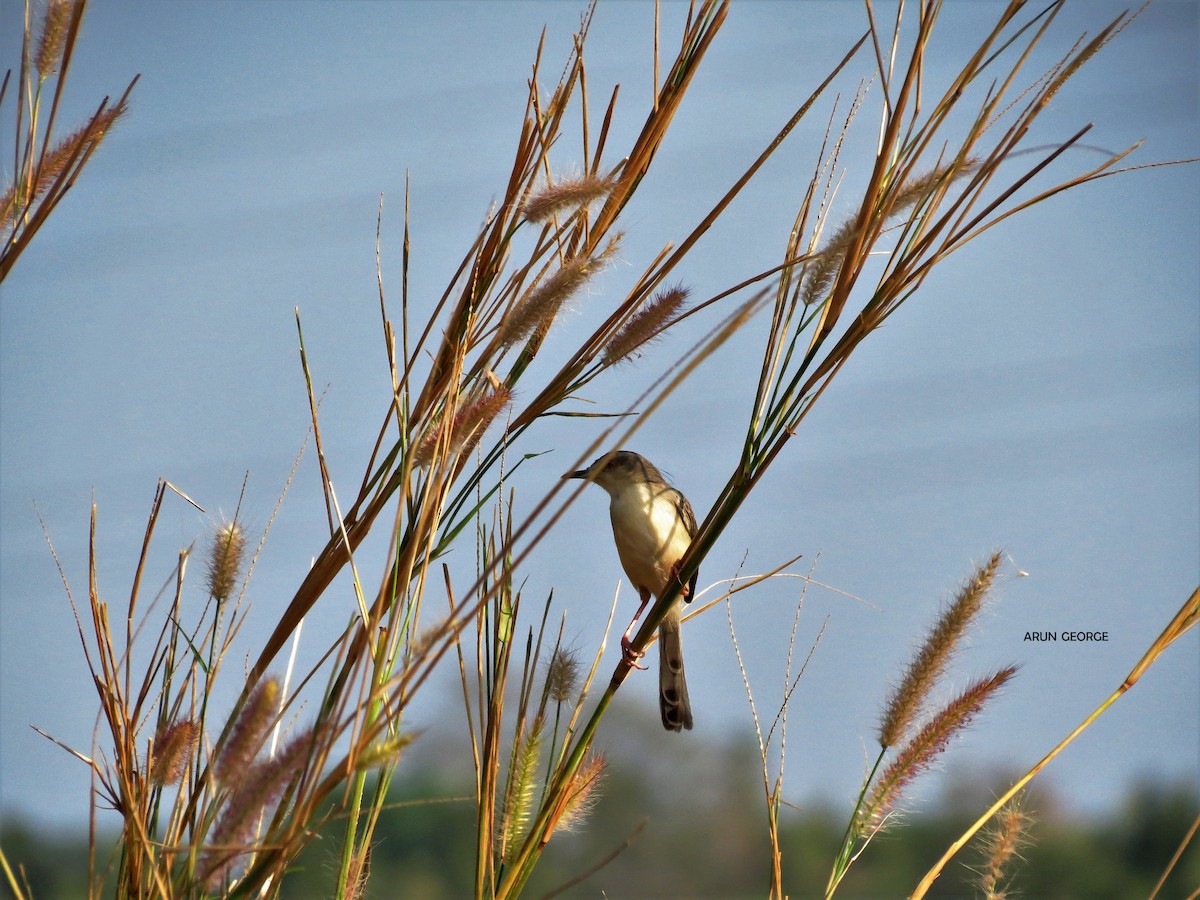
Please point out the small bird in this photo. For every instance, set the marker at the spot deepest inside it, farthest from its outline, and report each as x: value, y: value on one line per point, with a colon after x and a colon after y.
x: 653, y: 525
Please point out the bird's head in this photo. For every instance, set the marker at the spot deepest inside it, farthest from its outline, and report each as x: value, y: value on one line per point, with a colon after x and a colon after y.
x: 617, y: 469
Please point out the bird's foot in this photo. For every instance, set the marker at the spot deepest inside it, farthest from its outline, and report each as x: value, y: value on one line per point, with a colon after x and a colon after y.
x: 630, y: 655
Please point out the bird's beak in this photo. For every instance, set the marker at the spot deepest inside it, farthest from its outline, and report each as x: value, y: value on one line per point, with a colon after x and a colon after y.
x: 582, y: 473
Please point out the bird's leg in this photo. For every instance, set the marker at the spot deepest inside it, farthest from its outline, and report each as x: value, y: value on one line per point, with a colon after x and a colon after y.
x: 684, y: 590
x: 627, y: 651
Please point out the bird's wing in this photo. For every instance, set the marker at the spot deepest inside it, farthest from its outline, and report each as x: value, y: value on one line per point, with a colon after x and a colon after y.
x: 684, y: 509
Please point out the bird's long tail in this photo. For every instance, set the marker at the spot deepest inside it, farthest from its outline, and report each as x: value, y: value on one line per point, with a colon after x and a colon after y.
x: 672, y: 686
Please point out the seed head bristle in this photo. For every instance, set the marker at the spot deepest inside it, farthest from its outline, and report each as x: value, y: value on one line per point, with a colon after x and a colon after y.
x: 908, y: 700
x: 357, y: 873
x: 646, y: 324
x: 570, y: 194
x: 917, y: 188
x: 541, y: 304
x: 823, y: 270
x: 423, y: 641
x: 49, y: 55
x: 819, y: 279
x: 225, y: 559
x: 926, y: 745
x: 172, y: 751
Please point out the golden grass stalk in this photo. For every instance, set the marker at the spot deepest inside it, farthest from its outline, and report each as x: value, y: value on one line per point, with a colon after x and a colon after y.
x: 906, y: 703
x: 1175, y: 857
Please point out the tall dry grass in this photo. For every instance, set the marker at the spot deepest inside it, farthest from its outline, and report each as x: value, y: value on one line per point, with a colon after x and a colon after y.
x: 221, y: 805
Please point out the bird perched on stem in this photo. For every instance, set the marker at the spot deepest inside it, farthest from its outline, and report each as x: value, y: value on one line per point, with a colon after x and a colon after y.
x: 653, y: 525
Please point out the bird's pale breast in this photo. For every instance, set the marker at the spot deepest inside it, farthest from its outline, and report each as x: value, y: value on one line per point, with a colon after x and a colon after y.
x: 649, y: 533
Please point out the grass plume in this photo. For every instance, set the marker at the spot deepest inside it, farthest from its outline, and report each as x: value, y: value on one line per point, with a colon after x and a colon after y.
x: 459, y: 434
x: 256, y: 717
x: 172, y: 752
x: 646, y: 324
x: 1000, y: 846
x: 56, y: 22
x: 919, y: 754
x: 226, y: 557
x: 534, y: 313
x: 45, y: 165
x: 569, y: 194
x: 906, y: 702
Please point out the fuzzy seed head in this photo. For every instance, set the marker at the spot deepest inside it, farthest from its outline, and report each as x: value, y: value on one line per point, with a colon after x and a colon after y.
x: 63, y: 158
x: 225, y: 559
x: 537, y: 309
x: 172, y: 751
x: 465, y: 428
x: 908, y: 700
x: 246, y: 738
x: 646, y: 324
x: 562, y: 675
x: 914, y: 191
x: 55, y: 23
x: 566, y: 195
x: 522, y: 780
x: 259, y: 789
x: 818, y: 280
x: 919, y: 754
x: 1001, y: 843
x: 357, y: 874
x: 584, y: 792
x: 534, y: 313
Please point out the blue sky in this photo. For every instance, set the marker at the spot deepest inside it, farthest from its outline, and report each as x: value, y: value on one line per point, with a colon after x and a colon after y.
x: 1039, y: 394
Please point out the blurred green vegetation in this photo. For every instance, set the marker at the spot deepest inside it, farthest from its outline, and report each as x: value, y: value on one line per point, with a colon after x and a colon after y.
x: 704, y: 835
